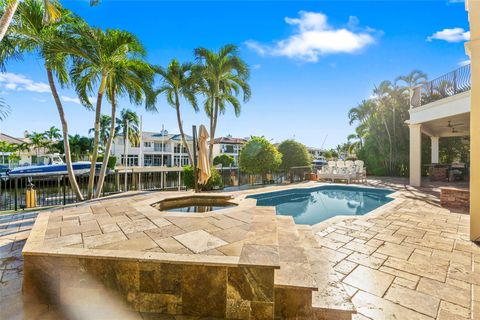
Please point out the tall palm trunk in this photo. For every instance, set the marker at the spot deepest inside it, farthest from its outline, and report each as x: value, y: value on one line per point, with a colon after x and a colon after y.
x: 7, y: 17
x: 66, y: 142
x: 103, y: 170
x: 96, y: 138
x: 213, y: 128
x: 182, y: 134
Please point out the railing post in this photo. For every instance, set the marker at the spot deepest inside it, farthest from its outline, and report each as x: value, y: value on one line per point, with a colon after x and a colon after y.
x: 455, y: 88
x: 64, y: 187
x: 16, y: 194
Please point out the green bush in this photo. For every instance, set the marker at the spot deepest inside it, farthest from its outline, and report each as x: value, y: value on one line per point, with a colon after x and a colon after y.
x: 258, y: 156
x: 294, y: 154
x: 112, y: 161
x: 225, y: 160
x: 215, y: 182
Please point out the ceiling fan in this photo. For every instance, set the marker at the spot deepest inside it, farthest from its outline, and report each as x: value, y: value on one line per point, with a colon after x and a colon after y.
x: 452, y: 125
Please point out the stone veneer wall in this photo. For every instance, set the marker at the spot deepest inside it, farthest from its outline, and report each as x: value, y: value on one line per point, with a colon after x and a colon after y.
x: 455, y: 198
x: 175, y: 289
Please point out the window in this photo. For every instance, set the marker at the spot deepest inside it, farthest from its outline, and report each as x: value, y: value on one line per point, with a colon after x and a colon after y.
x: 147, y: 144
x: 179, y: 148
x: 159, y: 146
x: 180, y: 161
x: 132, y: 160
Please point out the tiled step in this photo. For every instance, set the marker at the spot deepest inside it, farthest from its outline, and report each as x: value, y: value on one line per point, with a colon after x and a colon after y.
x: 331, y: 301
x: 294, y: 282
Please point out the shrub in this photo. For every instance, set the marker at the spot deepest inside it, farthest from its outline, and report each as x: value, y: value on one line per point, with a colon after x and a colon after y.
x: 294, y: 154
x: 215, y: 181
x: 258, y: 156
x: 112, y: 161
x: 225, y: 160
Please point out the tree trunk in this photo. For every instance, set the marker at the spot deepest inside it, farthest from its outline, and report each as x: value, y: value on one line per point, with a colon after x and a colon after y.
x: 106, y: 155
x: 7, y: 17
x: 389, y: 145
x: 213, y: 128
x: 182, y: 134
x: 66, y: 142
x: 96, y: 138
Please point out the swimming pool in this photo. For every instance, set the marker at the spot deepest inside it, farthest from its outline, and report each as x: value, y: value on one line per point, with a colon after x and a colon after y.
x: 313, y: 205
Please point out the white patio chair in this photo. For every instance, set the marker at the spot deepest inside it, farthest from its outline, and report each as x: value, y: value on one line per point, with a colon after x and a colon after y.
x: 361, y: 171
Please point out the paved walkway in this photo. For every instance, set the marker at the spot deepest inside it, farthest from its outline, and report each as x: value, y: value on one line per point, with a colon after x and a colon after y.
x: 412, y: 261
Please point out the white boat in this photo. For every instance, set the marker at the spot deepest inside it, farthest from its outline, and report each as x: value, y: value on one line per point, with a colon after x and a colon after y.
x: 49, y: 166
x: 319, y: 162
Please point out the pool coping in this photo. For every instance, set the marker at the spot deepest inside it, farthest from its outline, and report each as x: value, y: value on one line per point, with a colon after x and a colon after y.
x: 35, y: 246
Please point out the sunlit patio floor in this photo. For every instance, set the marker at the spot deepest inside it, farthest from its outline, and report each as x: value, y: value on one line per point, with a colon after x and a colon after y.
x: 411, y: 259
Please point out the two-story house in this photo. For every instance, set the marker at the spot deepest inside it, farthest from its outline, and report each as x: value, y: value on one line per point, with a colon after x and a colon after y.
x: 230, y: 146
x: 155, y: 149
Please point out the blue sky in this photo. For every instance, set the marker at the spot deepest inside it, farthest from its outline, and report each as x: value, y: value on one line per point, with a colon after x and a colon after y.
x: 311, y: 61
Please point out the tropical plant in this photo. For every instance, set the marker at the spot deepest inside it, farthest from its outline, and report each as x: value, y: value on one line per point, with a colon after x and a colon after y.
x: 52, y: 134
x: 222, y: 76
x: 381, y: 137
x: 178, y: 82
x: 38, y: 141
x: 52, y: 13
x: 294, y: 154
x: 128, y: 125
x: 105, y: 123
x: 31, y: 33
x: 214, y: 182
x: 81, y: 146
x: 110, y: 61
x: 259, y: 156
x: 225, y: 160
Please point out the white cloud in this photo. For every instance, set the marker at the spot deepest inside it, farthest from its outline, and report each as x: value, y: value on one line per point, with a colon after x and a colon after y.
x: 464, y: 63
x: 19, y: 82
x: 314, y: 37
x: 451, y: 35
x: 256, y: 66
x: 76, y: 100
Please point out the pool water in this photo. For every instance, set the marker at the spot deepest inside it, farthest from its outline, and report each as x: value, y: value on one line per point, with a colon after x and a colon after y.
x: 197, y: 208
x: 313, y: 205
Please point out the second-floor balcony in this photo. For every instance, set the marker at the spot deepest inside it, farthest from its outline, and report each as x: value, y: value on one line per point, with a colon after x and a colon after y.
x: 450, y: 84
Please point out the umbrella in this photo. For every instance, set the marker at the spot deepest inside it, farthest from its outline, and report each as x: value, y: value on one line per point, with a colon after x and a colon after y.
x: 203, y: 164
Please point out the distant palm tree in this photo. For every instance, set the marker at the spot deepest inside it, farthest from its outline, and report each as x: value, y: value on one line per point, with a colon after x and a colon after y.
x: 37, y: 140
x: 224, y: 75
x: 178, y: 83
x: 129, y: 119
x: 52, y: 134
x: 32, y: 34
x: 111, y: 59
x: 105, y: 124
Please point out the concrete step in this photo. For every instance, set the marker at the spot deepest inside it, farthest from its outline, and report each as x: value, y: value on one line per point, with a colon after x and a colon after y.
x: 331, y: 300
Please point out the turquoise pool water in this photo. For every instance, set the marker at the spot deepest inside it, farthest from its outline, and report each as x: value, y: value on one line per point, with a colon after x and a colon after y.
x: 313, y: 205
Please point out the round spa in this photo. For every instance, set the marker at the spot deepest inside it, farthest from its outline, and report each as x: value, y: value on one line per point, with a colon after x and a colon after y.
x: 193, y: 204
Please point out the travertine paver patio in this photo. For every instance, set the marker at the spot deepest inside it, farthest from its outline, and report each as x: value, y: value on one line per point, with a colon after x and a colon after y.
x: 409, y: 260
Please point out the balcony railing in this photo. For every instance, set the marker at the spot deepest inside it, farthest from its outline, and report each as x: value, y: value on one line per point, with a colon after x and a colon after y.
x: 448, y: 85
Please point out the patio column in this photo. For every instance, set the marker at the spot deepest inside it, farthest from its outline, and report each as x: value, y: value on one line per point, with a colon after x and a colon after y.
x: 415, y: 155
x: 435, y: 149
x: 473, y: 50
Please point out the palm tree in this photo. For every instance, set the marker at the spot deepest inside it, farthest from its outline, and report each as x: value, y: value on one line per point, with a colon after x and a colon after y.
x: 52, y: 13
x: 112, y: 61
x: 413, y: 79
x: 224, y: 75
x: 128, y: 125
x: 105, y: 123
x: 178, y: 82
x: 31, y: 33
x: 37, y: 140
x: 52, y: 134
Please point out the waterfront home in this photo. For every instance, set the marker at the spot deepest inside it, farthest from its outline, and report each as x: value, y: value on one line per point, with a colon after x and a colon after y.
x: 157, y: 149
x: 230, y: 146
